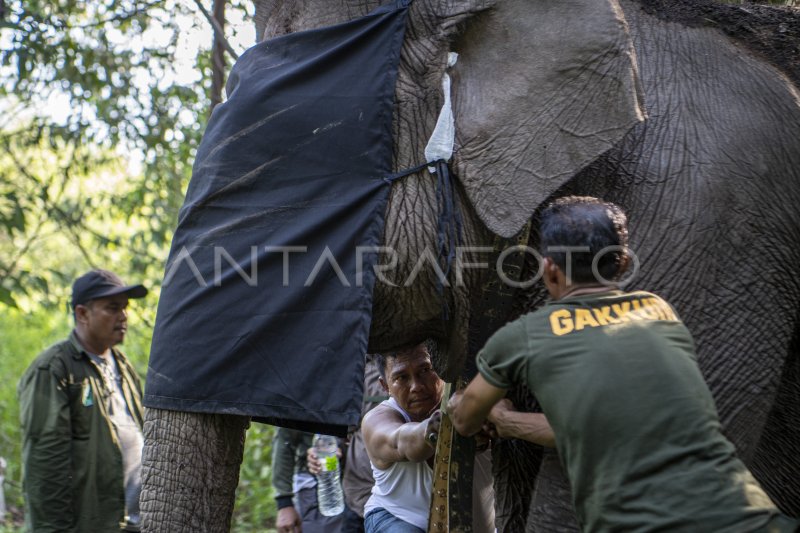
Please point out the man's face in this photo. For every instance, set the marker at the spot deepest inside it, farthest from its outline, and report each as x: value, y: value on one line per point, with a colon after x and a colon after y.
x: 412, y: 382
x: 105, y: 320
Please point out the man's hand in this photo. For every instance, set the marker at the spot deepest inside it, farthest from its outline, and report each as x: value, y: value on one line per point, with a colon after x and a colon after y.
x: 288, y: 521
x: 497, y: 417
x: 432, y: 427
x: 483, y: 439
x: 313, y: 463
x: 508, y: 423
x: 455, y: 399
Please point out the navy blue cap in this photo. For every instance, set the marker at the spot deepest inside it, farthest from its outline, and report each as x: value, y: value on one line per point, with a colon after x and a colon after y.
x: 101, y: 284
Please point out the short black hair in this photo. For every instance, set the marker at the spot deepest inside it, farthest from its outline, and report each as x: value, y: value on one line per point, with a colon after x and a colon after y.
x: 589, y: 223
x: 382, y: 358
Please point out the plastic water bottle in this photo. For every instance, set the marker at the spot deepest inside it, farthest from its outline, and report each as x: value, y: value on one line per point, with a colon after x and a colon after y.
x: 329, y: 487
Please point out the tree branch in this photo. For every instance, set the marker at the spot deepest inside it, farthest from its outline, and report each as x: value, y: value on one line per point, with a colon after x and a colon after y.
x: 77, y: 239
x: 70, y: 222
x: 217, y: 30
x: 9, y: 269
x: 218, y: 66
x: 119, y: 17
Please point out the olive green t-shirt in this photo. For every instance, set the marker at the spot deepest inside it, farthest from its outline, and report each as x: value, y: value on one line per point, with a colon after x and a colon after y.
x: 635, y: 424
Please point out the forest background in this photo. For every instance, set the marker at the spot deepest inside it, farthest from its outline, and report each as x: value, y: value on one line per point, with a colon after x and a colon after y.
x: 102, y: 107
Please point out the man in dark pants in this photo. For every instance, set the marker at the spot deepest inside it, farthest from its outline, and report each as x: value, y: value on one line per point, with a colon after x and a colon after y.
x: 81, y: 415
x: 295, y: 488
x: 624, y: 401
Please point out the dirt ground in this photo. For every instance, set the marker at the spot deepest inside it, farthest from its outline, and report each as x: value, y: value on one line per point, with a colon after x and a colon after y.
x: 770, y: 31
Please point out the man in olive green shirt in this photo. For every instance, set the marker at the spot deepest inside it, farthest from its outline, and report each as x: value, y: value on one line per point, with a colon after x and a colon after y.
x: 624, y: 401
x: 81, y: 415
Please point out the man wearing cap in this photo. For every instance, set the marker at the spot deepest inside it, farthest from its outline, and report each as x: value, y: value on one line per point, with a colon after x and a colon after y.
x: 81, y: 414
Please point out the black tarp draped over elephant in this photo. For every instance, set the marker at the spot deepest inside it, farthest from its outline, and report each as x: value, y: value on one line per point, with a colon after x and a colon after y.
x: 687, y: 114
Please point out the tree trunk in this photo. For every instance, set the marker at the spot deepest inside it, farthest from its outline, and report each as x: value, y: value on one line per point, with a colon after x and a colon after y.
x: 218, y: 64
x: 190, y: 470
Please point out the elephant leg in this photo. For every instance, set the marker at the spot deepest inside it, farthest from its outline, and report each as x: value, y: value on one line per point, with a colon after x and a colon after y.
x: 775, y: 462
x: 190, y: 470
x: 551, y: 510
x: 515, y: 464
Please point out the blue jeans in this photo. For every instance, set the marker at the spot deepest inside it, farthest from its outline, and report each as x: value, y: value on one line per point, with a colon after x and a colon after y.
x: 382, y: 521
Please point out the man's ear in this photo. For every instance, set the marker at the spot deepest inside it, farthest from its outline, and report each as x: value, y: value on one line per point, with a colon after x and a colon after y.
x: 624, y: 263
x: 550, y: 271
x: 383, y: 384
x: 81, y: 313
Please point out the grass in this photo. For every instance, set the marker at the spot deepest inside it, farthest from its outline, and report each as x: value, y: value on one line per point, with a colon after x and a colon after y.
x: 24, y: 335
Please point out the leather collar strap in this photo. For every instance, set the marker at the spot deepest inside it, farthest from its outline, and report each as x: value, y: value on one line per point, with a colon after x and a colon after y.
x: 438, y: 518
x: 451, y: 500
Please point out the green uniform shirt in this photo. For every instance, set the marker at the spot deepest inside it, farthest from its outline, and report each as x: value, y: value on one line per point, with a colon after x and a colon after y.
x: 73, y: 477
x: 636, y: 427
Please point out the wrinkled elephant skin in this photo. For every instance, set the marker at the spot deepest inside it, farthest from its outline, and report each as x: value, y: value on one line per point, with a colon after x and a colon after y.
x: 190, y: 470
x: 687, y: 129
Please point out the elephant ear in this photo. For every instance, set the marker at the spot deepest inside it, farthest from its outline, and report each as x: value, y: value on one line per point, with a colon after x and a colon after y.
x: 541, y: 89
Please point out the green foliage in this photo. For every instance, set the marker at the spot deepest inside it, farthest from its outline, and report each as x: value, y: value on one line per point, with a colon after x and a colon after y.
x: 92, y: 87
x: 96, y: 54
x: 48, y: 197
x: 255, y: 505
x: 98, y: 132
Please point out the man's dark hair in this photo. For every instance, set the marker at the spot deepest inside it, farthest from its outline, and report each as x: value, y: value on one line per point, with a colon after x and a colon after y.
x: 589, y: 223
x: 380, y: 359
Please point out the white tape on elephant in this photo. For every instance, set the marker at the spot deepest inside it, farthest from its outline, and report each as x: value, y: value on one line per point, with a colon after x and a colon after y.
x: 440, y: 145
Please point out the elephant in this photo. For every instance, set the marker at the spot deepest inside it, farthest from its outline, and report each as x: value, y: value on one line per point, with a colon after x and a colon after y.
x: 683, y: 112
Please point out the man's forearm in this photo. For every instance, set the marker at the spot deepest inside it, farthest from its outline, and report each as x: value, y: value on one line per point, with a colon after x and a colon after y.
x: 411, y: 442
x: 532, y: 427
x: 469, y: 410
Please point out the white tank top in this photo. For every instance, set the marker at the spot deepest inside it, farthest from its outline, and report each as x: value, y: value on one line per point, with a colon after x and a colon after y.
x: 403, y: 489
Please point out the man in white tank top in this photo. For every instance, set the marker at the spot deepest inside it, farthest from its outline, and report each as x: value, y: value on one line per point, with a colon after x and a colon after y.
x: 397, y: 434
